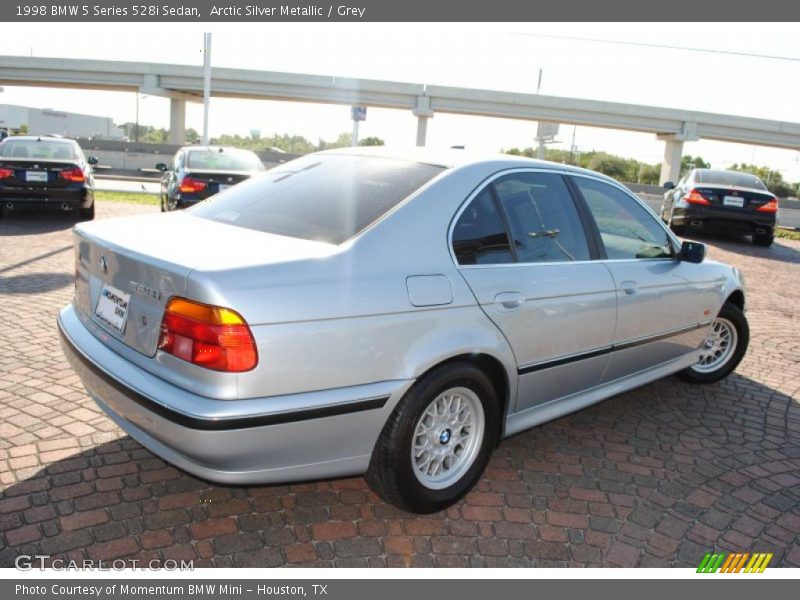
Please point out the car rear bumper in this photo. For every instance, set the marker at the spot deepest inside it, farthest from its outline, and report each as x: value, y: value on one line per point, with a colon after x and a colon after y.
x: 723, y: 218
x: 324, y: 434
x: 58, y: 200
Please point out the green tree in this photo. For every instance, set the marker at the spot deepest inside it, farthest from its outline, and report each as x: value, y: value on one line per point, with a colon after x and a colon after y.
x: 689, y: 162
x: 371, y: 141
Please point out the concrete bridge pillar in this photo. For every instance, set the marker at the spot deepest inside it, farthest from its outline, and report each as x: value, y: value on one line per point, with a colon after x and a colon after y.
x: 671, y: 166
x: 673, y: 151
x: 423, y: 112
x: 177, y: 121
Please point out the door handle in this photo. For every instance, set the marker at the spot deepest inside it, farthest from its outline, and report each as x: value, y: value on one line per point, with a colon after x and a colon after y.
x: 509, y: 300
x: 628, y: 287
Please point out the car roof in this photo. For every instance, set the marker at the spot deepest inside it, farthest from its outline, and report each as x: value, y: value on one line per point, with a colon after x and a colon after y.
x: 453, y: 158
x: 216, y: 149
x: 39, y: 138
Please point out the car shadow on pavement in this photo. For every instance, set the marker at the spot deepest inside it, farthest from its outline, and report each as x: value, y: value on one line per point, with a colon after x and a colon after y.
x: 743, y: 245
x: 22, y: 222
x: 34, y: 283
x: 654, y: 477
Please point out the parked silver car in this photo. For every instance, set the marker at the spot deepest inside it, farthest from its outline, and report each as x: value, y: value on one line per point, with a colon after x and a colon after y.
x: 394, y: 314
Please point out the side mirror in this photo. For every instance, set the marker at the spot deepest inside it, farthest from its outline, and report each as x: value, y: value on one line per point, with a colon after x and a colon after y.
x: 161, y: 167
x: 693, y: 252
x: 92, y: 160
x: 668, y: 185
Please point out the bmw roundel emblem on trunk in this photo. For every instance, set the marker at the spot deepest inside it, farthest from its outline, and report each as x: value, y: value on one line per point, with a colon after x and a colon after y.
x: 103, y: 265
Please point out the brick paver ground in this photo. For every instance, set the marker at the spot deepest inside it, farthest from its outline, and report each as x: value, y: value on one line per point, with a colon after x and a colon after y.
x: 654, y: 477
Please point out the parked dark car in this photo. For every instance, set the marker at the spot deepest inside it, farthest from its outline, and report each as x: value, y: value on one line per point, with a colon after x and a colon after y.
x: 198, y: 172
x: 724, y: 200
x: 46, y: 172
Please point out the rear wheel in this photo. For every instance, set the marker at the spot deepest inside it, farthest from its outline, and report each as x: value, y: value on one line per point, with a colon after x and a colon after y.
x: 723, y: 348
x: 676, y: 229
x: 438, y: 440
x: 86, y: 214
x: 763, y: 239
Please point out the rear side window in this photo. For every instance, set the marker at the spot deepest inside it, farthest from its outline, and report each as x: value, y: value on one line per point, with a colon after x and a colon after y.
x: 479, y: 236
x: 628, y: 230
x: 542, y: 216
x: 327, y: 198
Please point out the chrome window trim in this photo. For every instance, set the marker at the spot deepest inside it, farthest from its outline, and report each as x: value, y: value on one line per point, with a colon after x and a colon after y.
x: 675, y: 244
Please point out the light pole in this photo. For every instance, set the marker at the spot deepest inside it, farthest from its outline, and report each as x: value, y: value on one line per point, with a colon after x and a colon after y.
x: 206, y: 83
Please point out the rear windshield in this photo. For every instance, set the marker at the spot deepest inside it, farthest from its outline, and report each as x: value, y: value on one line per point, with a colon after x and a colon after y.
x: 729, y: 178
x: 44, y: 149
x: 226, y: 160
x: 327, y: 198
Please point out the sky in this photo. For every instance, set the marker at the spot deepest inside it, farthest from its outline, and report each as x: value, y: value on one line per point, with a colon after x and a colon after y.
x: 750, y: 69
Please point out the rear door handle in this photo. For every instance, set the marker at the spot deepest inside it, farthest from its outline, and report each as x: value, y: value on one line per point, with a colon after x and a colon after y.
x: 628, y: 288
x: 506, y: 301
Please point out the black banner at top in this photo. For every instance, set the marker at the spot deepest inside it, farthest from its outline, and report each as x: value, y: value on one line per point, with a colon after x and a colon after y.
x: 34, y: 11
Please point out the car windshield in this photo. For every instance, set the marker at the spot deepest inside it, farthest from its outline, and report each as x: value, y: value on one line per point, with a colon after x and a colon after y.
x: 734, y: 178
x: 41, y: 149
x: 223, y: 160
x: 328, y: 198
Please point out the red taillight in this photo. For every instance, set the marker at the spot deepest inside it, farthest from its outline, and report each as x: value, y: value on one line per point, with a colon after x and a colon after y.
x: 769, y: 207
x: 75, y: 175
x: 695, y: 197
x: 190, y: 185
x: 208, y: 336
x: 6, y: 173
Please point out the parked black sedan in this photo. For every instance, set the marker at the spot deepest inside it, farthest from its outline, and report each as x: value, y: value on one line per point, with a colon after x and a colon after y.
x: 724, y: 200
x: 197, y: 172
x: 46, y: 172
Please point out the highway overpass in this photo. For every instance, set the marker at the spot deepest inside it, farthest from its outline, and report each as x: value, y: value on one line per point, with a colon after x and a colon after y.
x: 182, y: 83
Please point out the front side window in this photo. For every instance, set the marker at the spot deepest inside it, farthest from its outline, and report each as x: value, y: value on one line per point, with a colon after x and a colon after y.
x: 479, y: 236
x: 544, y: 222
x: 628, y: 230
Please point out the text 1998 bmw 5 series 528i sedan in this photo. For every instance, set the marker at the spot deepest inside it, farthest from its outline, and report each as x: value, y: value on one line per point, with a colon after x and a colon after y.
x: 393, y: 314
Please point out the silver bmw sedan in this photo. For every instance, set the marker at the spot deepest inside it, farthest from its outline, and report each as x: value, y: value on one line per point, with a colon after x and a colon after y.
x: 393, y: 314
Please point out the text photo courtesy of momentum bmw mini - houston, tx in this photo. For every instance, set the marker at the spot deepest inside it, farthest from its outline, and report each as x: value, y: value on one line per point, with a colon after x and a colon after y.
x: 362, y: 294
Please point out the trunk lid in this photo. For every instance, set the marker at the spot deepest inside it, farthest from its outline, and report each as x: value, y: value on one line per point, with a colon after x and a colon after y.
x: 136, y: 264
x: 36, y: 175
x: 734, y: 198
x: 216, y: 181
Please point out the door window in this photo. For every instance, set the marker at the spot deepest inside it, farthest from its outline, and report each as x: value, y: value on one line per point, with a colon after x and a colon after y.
x: 628, y: 230
x: 542, y: 216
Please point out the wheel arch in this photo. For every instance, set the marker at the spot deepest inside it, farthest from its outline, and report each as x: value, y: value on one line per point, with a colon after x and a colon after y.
x: 737, y: 299
x: 496, y: 372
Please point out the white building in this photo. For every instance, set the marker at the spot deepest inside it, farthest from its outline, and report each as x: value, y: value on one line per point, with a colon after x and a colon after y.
x: 47, y: 120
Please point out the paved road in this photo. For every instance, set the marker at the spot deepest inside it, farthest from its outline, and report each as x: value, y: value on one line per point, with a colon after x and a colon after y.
x: 787, y: 217
x: 655, y: 477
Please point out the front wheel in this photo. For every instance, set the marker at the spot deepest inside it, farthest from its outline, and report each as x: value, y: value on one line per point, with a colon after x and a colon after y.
x: 437, y: 442
x: 723, y: 349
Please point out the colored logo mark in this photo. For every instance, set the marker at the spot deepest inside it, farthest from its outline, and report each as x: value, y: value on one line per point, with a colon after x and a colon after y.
x: 734, y: 563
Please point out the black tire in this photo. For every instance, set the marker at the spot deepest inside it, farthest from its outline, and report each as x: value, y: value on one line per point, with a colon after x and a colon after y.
x: 391, y: 474
x: 763, y: 239
x: 86, y: 214
x: 734, y: 315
